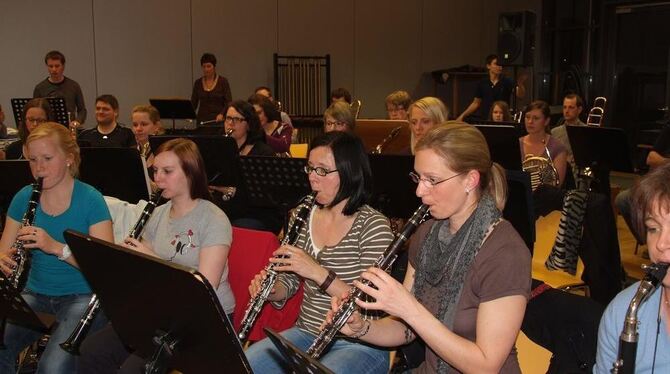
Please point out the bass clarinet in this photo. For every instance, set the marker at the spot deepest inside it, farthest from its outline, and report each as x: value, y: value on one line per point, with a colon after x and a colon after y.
x: 625, y: 363
x: 256, y: 303
x: 349, y: 306
x: 71, y: 345
x: 22, y: 257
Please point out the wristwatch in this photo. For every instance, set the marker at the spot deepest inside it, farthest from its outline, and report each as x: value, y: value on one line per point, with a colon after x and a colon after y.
x: 66, y: 253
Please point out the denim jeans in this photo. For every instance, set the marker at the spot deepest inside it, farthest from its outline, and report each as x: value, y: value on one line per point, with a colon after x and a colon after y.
x: 68, y: 310
x: 343, y: 356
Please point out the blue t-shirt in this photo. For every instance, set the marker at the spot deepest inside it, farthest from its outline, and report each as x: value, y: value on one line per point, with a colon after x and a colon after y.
x: 48, y: 275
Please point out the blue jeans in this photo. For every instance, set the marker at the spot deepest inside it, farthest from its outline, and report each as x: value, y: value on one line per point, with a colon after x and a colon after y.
x: 343, y: 356
x: 68, y: 311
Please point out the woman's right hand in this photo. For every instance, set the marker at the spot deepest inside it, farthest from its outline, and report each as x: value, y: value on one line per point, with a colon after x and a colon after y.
x: 256, y: 283
x: 355, y: 324
x: 7, y: 264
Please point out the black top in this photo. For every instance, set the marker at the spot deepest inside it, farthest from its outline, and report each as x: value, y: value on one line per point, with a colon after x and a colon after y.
x: 120, y: 137
x: 14, y: 151
x: 662, y: 145
x: 261, y: 148
x: 210, y: 103
x: 488, y: 93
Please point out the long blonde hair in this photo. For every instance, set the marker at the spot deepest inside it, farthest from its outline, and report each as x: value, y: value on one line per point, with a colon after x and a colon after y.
x: 463, y: 148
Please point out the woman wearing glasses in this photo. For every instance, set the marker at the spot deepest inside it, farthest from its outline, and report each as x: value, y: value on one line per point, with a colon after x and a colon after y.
x: 468, y: 277
x: 35, y: 112
x: 343, y: 237
x: 338, y: 117
x: 242, y: 120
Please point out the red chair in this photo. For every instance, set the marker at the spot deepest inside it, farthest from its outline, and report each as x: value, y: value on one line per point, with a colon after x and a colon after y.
x: 249, y: 254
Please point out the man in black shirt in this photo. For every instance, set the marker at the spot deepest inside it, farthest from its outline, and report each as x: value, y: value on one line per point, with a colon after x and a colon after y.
x: 495, y: 87
x: 108, y: 133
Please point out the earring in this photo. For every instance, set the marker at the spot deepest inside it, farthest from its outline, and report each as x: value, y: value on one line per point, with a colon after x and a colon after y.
x: 467, y: 191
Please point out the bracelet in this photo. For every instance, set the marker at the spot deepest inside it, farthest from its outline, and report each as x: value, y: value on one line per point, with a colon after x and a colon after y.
x: 326, y: 283
x: 363, y: 331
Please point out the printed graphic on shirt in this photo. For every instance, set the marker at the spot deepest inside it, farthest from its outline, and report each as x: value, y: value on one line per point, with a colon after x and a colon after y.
x: 182, y: 242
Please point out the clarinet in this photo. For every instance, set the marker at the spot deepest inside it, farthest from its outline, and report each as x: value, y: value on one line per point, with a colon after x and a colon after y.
x: 384, y: 262
x: 71, y: 345
x: 380, y: 147
x: 22, y: 257
x: 256, y: 303
x: 625, y: 362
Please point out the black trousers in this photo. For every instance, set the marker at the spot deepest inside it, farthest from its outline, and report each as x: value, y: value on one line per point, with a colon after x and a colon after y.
x: 567, y: 326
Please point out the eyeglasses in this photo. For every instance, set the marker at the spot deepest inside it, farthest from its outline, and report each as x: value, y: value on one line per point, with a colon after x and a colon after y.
x: 395, y: 109
x: 234, y: 120
x: 322, y: 172
x: 333, y: 124
x: 429, y: 182
x: 36, y: 121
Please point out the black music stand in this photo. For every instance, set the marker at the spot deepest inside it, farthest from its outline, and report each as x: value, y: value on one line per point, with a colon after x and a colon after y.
x: 603, y: 149
x: 117, y: 172
x: 57, y: 105
x: 219, y: 153
x: 274, y: 181
x: 519, y: 207
x: 299, y: 361
x: 174, y: 109
x: 503, y: 142
x: 17, y: 175
x: 157, y: 304
x: 15, y: 309
x: 394, y: 193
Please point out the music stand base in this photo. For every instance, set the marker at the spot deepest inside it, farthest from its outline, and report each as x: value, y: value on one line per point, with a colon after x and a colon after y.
x: 166, y: 343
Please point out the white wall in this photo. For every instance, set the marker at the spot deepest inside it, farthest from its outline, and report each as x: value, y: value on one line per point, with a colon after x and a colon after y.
x: 137, y: 49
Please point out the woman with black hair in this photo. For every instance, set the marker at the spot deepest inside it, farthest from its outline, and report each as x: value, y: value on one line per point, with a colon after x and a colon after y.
x: 242, y: 120
x: 343, y: 237
x: 211, y: 92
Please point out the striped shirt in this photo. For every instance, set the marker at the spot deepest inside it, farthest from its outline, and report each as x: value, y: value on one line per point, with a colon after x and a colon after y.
x: 369, y: 236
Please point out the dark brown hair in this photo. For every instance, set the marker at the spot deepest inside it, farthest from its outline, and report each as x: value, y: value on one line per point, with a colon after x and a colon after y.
x: 191, y: 163
x: 649, y: 195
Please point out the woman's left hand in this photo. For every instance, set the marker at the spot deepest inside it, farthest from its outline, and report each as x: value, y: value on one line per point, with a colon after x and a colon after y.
x: 297, y: 261
x: 219, y: 117
x: 136, y: 245
x: 36, y: 237
x: 390, y: 296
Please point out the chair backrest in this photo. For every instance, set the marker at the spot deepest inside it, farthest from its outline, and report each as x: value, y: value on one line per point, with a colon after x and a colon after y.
x: 249, y: 254
x: 299, y: 150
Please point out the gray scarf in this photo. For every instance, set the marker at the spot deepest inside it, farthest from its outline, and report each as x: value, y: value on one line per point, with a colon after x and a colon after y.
x: 445, y: 259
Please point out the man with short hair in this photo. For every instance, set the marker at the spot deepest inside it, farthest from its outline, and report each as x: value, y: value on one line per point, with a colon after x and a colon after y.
x: 108, y: 133
x: 397, y: 104
x: 493, y: 88
x: 58, y: 85
x: 341, y: 94
x: 572, y: 108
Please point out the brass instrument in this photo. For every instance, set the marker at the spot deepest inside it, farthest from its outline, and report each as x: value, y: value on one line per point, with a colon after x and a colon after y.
x: 71, y: 345
x: 22, y: 257
x: 355, y: 108
x: 256, y: 303
x: 541, y: 169
x: 145, y: 150
x: 384, y: 262
x: 228, y: 133
x: 625, y: 362
x: 380, y: 147
x: 597, y: 113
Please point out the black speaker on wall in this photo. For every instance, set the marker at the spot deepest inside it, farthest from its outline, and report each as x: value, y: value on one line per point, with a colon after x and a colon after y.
x: 516, y: 38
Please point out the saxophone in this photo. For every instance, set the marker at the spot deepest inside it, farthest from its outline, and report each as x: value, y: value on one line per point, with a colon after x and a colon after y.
x: 349, y: 306
x: 71, y: 345
x: 256, y: 303
x: 22, y: 257
x: 625, y: 362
